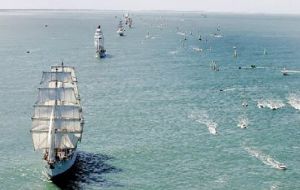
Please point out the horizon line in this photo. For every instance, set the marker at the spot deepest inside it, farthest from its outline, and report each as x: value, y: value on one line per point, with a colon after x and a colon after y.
x: 154, y: 10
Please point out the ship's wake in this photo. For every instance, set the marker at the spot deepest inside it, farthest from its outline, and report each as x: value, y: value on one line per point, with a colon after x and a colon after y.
x: 203, y: 118
x: 264, y: 158
x: 294, y: 101
x: 271, y: 104
x: 89, y: 168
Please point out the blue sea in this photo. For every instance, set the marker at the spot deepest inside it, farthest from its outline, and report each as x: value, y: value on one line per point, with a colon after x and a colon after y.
x: 150, y: 105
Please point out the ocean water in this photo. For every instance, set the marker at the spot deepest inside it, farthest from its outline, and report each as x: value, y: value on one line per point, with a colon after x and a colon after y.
x: 150, y: 105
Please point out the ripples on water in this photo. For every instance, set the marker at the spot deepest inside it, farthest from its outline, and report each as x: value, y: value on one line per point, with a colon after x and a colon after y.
x: 203, y: 118
x: 264, y: 158
x: 89, y: 169
x: 294, y: 101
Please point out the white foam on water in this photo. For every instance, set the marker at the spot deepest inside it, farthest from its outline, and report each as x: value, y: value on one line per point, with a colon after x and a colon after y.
x: 197, y: 49
x: 173, y: 52
x: 212, y: 127
x: 203, y: 118
x: 243, y: 122
x: 229, y: 89
x: 264, y: 158
x: 294, y: 101
x: 274, y: 187
x: 181, y: 33
x: 270, y: 103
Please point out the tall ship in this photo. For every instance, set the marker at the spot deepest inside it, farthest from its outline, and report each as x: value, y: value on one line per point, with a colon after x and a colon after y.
x: 128, y: 20
x: 121, y: 29
x: 57, y: 121
x: 99, y: 43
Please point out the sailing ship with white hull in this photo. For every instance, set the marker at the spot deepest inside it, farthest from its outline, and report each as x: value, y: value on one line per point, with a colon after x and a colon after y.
x: 99, y: 43
x: 121, y: 29
x: 57, y: 121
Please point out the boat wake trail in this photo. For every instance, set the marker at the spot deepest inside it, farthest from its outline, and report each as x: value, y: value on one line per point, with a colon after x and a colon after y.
x: 243, y: 122
x: 181, y: 33
x: 89, y: 168
x: 294, y: 101
x: 203, y: 118
x: 173, y: 52
x: 197, y: 49
x: 264, y: 158
x: 272, y: 104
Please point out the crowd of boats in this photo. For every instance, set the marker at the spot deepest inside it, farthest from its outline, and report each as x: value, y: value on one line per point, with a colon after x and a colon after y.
x: 99, y: 37
x: 57, y: 122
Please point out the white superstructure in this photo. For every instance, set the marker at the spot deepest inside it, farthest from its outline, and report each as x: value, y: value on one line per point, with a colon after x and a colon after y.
x: 99, y: 42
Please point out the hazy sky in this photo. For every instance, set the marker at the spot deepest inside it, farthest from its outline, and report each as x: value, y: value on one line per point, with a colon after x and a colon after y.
x: 240, y: 6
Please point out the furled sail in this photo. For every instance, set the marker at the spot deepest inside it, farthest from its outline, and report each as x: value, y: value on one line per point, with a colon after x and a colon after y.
x: 64, y: 77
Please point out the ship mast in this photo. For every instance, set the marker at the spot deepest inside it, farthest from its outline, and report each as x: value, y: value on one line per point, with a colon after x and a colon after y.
x: 51, y: 134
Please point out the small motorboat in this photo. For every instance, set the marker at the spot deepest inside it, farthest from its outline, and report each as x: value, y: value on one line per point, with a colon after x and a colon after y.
x: 243, y: 123
x: 281, y: 167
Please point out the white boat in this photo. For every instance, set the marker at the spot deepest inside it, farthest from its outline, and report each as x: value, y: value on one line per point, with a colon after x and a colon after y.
x: 265, y: 51
x: 285, y: 71
x: 271, y: 104
x: 128, y: 20
x: 99, y: 43
x: 216, y: 35
x: 212, y: 128
x: 235, y: 52
x: 121, y: 29
x: 126, y: 17
x: 148, y: 35
x: 197, y: 49
x: 281, y: 166
x: 243, y: 123
x: 57, y: 121
x: 214, y: 66
x: 199, y: 38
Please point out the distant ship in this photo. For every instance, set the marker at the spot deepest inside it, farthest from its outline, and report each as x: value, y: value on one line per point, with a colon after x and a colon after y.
x: 243, y: 123
x: 99, y: 43
x: 57, y: 121
x: 128, y: 20
x: 121, y: 29
x: 234, y: 52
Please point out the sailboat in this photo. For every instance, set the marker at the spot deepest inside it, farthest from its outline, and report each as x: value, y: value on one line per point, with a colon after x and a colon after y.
x: 99, y: 43
x: 234, y: 52
x: 57, y: 121
x: 243, y: 122
x: 265, y: 51
x: 121, y: 29
x: 130, y: 22
x: 214, y: 66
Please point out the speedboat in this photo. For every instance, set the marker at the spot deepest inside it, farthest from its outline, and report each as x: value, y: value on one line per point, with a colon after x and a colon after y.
x: 243, y: 123
x: 281, y: 167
